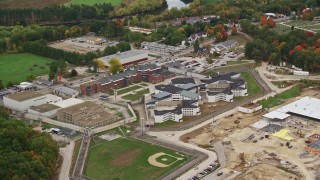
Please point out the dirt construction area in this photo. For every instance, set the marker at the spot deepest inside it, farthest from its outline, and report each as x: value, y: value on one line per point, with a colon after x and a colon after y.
x: 257, y: 156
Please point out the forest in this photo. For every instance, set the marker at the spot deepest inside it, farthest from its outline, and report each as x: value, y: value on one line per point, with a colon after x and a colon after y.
x: 25, y: 153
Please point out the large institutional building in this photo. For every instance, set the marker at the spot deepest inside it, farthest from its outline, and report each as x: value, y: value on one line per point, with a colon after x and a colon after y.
x: 86, y: 114
x: 21, y: 102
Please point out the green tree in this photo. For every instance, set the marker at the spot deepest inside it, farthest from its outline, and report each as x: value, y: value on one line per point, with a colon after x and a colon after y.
x: 109, y: 50
x: 115, y: 66
x: 73, y: 73
x: 196, y: 46
x: 124, y: 46
x: 10, y: 84
x: 31, y: 78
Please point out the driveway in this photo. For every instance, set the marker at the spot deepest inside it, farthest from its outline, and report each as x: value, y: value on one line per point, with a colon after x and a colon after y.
x: 66, y: 153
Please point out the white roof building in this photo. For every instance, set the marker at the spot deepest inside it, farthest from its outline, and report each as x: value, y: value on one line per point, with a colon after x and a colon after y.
x: 307, y: 107
x: 68, y: 102
x: 127, y: 57
x: 21, y: 102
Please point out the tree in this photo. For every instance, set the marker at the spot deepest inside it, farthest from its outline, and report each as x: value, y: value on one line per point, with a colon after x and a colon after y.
x: 25, y: 153
x: 123, y: 46
x: 263, y: 20
x: 1, y: 84
x: 234, y: 29
x: 10, y: 84
x: 31, y: 78
x: 196, y: 46
x: 115, y: 66
x: 99, y: 64
x: 73, y: 73
x: 109, y: 50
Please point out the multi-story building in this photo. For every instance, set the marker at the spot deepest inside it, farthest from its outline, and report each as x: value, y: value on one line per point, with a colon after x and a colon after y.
x: 161, y: 116
x: 190, y: 108
x: 225, y: 87
x: 86, y: 114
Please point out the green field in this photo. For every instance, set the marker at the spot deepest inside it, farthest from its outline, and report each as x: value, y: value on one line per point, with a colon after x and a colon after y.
x: 16, y: 67
x: 92, y: 2
x: 136, y: 96
x: 253, y: 86
x: 126, y: 158
x: 128, y: 89
x: 280, y: 98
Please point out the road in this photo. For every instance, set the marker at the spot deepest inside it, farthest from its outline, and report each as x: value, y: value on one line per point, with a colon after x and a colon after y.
x: 66, y: 153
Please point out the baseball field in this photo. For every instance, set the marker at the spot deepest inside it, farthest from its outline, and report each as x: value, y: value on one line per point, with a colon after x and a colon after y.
x: 126, y: 158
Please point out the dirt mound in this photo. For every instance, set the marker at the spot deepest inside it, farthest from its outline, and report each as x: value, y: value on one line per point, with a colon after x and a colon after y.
x: 126, y: 157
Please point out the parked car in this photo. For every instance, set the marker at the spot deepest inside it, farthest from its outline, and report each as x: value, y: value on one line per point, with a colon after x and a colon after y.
x: 219, y: 173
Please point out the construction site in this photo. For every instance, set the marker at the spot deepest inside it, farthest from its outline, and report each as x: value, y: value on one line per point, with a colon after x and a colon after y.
x: 258, y: 145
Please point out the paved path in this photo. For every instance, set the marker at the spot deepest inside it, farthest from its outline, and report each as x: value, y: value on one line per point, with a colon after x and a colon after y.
x: 66, y: 153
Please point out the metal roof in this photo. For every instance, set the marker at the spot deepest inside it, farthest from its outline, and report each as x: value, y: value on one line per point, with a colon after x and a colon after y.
x: 68, y: 102
x: 177, y: 110
x: 315, y: 144
x: 276, y: 115
x: 125, y: 57
x: 183, y: 81
x: 161, y: 95
x: 66, y: 90
x: 306, y: 106
x: 189, y: 94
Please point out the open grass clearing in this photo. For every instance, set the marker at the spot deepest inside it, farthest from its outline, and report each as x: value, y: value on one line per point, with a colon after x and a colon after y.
x: 235, y: 62
x: 253, y: 86
x: 128, y: 89
x: 93, y: 2
x: 16, y: 67
x: 126, y: 158
x: 280, y: 98
x: 136, y: 96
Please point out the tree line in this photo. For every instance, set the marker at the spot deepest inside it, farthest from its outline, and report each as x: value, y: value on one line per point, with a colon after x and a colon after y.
x: 76, y: 13
x: 25, y: 153
x: 297, y: 47
x: 53, y: 14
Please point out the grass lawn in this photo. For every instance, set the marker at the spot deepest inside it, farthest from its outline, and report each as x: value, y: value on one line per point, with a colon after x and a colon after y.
x: 280, y: 98
x: 128, y: 89
x: 16, y: 67
x: 136, y: 96
x: 253, y: 86
x: 92, y: 2
x: 76, y: 150
x: 235, y: 62
x: 282, y: 84
x: 126, y: 158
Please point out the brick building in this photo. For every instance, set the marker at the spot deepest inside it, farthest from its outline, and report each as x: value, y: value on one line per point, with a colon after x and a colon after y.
x: 120, y: 80
x: 146, y: 72
x: 89, y: 88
